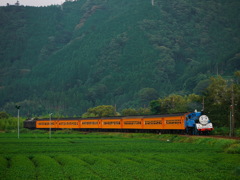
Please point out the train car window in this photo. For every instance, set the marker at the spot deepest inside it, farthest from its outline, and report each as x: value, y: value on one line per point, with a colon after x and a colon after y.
x: 45, y: 123
x: 111, y: 123
x: 132, y: 122
x: 152, y: 122
x: 176, y: 121
x: 68, y: 123
x: 89, y: 123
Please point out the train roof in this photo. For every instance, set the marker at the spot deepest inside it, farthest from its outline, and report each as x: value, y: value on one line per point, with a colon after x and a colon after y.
x: 113, y: 117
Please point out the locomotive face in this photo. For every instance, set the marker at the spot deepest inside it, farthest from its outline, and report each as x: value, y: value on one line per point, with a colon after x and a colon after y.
x: 203, y: 119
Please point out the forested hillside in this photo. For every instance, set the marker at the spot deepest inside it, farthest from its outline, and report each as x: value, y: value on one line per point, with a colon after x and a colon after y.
x: 66, y: 59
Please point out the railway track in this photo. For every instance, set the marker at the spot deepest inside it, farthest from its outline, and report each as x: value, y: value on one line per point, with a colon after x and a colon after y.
x: 211, y: 136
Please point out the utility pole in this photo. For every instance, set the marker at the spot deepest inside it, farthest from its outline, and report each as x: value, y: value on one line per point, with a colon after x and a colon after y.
x: 50, y: 125
x: 152, y: 2
x: 230, y: 124
x: 233, y: 114
x: 115, y: 109
x: 203, y: 104
x: 18, y: 109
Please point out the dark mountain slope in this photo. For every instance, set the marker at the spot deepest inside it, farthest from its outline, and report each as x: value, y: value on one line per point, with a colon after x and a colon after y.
x: 86, y: 53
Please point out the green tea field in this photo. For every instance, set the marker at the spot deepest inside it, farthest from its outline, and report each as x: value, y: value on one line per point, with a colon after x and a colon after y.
x: 115, y: 156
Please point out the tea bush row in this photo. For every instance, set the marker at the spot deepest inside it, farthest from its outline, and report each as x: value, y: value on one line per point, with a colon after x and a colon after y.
x: 19, y: 167
x: 47, y: 168
x: 74, y: 168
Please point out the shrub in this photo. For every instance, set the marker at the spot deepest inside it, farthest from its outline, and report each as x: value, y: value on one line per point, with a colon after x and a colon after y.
x: 224, y: 131
x: 4, y: 115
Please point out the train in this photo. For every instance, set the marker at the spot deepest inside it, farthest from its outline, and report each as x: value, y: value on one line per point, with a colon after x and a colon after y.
x: 193, y: 123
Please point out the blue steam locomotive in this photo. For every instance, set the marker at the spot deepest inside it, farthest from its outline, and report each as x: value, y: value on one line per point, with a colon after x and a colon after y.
x: 198, y: 123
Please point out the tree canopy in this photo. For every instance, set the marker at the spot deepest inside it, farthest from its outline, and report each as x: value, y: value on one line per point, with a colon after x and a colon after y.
x: 100, y: 111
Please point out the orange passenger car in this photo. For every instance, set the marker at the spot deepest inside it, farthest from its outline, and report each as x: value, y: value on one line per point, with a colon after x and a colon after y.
x: 155, y: 122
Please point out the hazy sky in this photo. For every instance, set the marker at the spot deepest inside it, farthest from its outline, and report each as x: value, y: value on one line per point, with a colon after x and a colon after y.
x: 31, y: 2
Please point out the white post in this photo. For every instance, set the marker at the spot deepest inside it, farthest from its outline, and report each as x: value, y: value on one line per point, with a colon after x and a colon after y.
x: 18, y: 108
x: 233, y: 112
x: 230, y: 125
x: 18, y: 124
x: 152, y: 2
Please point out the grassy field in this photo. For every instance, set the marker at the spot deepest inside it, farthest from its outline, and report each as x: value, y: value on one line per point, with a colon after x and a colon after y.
x: 116, y: 156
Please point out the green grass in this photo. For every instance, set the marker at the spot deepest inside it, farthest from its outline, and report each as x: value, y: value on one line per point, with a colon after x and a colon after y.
x: 116, y: 156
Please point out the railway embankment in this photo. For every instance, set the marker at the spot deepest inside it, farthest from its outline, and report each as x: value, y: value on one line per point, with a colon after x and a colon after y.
x: 226, y: 144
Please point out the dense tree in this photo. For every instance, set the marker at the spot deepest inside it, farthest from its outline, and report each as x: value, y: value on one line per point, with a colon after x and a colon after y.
x: 129, y: 112
x: 220, y: 97
x: 201, y: 86
x: 237, y: 75
x: 143, y: 111
x: 175, y: 104
x: 147, y: 94
x: 4, y: 115
x: 218, y: 91
x: 155, y: 106
x: 100, y: 111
